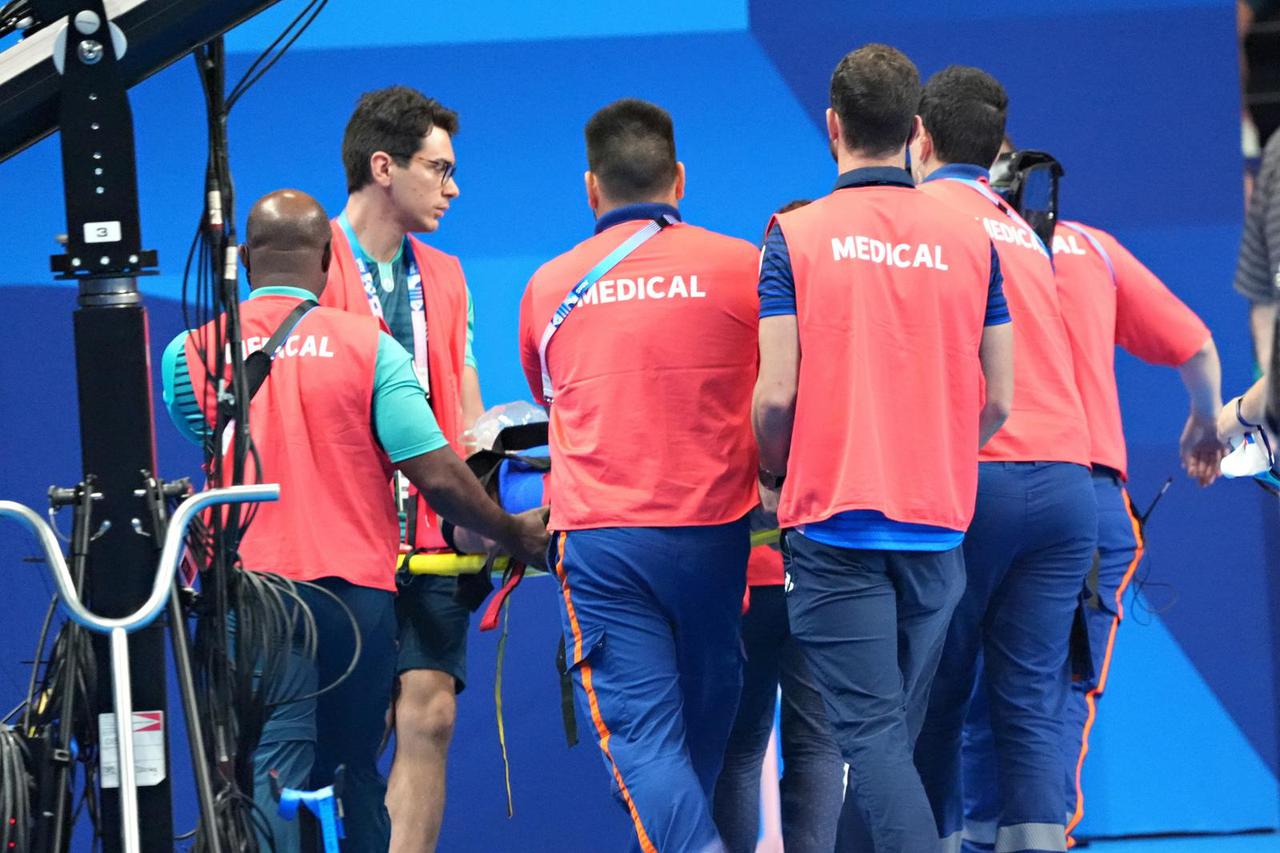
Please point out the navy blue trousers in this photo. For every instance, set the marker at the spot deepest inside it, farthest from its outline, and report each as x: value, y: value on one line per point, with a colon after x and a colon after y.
x: 812, y: 782
x: 305, y: 741
x: 1118, y: 555
x: 651, y: 620
x: 872, y: 624
x: 1026, y: 553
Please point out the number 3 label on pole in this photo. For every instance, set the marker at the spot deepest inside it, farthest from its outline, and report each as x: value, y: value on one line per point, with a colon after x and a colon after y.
x: 102, y: 232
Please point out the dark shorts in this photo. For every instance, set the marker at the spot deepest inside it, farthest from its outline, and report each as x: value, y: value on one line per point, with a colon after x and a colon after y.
x: 433, y: 627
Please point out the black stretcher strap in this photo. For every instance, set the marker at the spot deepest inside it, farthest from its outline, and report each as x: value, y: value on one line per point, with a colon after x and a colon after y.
x: 258, y: 365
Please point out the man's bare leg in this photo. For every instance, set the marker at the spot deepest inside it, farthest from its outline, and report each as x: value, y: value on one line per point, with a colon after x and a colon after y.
x: 425, y: 712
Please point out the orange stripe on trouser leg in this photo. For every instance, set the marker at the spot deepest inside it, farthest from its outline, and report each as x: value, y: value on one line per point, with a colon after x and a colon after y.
x: 568, y: 603
x: 602, y: 731
x: 1091, y: 699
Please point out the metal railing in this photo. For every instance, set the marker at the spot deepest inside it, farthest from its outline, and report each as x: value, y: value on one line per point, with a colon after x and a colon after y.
x: 118, y: 628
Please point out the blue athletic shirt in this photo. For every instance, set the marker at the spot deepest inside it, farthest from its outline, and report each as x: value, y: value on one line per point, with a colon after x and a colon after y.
x: 402, y: 419
x: 395, y: 301
x: 865, y: 528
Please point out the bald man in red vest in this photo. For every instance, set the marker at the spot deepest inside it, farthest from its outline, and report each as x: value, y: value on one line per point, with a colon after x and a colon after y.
x: 339, y: 411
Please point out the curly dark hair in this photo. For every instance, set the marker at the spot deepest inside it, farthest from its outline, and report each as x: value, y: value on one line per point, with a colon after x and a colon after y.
x: 964, y: 109
x: 875, y: 91
x: 393, y: 120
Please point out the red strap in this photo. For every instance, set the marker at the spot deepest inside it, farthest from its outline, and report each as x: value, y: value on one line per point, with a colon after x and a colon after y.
x: 515, y: 574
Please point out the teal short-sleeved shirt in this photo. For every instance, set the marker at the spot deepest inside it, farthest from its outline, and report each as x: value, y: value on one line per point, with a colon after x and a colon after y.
x: 395, y: 295
x: 402, y: 419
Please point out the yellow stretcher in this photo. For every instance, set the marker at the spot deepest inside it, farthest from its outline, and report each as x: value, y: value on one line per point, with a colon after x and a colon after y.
x: 470, y: 564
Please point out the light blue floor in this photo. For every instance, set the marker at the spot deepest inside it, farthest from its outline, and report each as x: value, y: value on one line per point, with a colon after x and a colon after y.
x: 1233, y: 844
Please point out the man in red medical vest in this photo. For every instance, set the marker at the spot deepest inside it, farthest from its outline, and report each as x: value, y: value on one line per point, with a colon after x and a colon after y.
x: 644, y: 335
x: 340, y: 410
x: 1035, y: 528
x: 1109, y: 298
x: 399, y: 161
x: 882, y: 317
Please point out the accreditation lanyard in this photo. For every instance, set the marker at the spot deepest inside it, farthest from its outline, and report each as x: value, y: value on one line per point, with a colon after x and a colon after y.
x: 986, y: 192
x: 1097, y: 247
x: 583, y: 287
x: 417, y: 304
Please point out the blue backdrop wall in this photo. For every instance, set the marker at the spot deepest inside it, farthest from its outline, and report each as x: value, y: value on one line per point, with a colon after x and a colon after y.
x: 1137, y: 97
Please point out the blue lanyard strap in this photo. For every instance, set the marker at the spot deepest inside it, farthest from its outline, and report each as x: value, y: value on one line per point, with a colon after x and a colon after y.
x: 579, y: 290
x: 417, y: 302
x: 1097, y: 247
x: 1004, y: 206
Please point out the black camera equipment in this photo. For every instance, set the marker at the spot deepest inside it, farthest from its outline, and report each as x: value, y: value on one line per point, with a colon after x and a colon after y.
x: 1028, y: 181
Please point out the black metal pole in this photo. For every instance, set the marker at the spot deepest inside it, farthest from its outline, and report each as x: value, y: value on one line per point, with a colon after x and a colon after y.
x: 117, y: 442
x: 113, y: 371
x: 195, y: 728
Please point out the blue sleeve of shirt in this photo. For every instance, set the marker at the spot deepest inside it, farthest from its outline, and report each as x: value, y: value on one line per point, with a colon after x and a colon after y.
x: 402, y: 418
x: 997, y: 307
x: 777, y: 286
x: 179, y: 396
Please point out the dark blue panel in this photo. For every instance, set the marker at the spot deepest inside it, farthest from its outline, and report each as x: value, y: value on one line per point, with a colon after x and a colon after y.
x: 1141, y: 107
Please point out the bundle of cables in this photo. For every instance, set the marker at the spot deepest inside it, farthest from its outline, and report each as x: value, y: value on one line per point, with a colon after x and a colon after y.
x: 16, y: 789
x: 253, y: 657
x: 251, y: 627
x: 54, y: 733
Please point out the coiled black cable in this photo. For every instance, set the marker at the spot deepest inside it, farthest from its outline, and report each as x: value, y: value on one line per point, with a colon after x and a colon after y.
x: 16, y: 789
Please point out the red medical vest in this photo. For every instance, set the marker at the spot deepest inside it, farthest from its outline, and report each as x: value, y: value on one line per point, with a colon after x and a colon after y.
x: 652, y: 374
x: 311, y: 423
x: 1047, y: 422
x: 1109, y: 299
x: 444, y: 292
x: 891, y: 299
x: 764, y: 567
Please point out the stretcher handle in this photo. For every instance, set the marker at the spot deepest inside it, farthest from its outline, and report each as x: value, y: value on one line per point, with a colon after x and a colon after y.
x: 448, y: 564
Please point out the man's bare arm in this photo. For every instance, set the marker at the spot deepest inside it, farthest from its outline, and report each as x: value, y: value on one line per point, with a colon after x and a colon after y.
x: 455, y: 494
x: 773, y: 407
x: 995, y: 352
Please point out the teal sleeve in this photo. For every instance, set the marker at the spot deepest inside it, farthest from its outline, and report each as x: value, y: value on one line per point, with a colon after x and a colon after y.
x: 469, y: 359
x: 179, y: 396
x: 402, y: 419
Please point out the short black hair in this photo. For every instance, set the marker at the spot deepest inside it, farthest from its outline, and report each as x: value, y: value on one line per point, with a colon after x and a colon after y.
x: 631, y: 149
x: 394, y: 120
x: 964, y: 109
x: 875, y: 91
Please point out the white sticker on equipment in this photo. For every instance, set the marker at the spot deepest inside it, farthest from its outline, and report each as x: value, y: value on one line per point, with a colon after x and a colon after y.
x: 102, y: 232
x: 148, y: 749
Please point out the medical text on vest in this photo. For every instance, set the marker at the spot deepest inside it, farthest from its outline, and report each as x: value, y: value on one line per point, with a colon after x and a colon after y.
x: 902, y: 255
x: 1004, y: 232
x: 652, y: 287
x: 1068, y: 245
x: 295, y: 346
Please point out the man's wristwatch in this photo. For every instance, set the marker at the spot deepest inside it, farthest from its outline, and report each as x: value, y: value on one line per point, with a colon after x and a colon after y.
x: 770, y: 480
